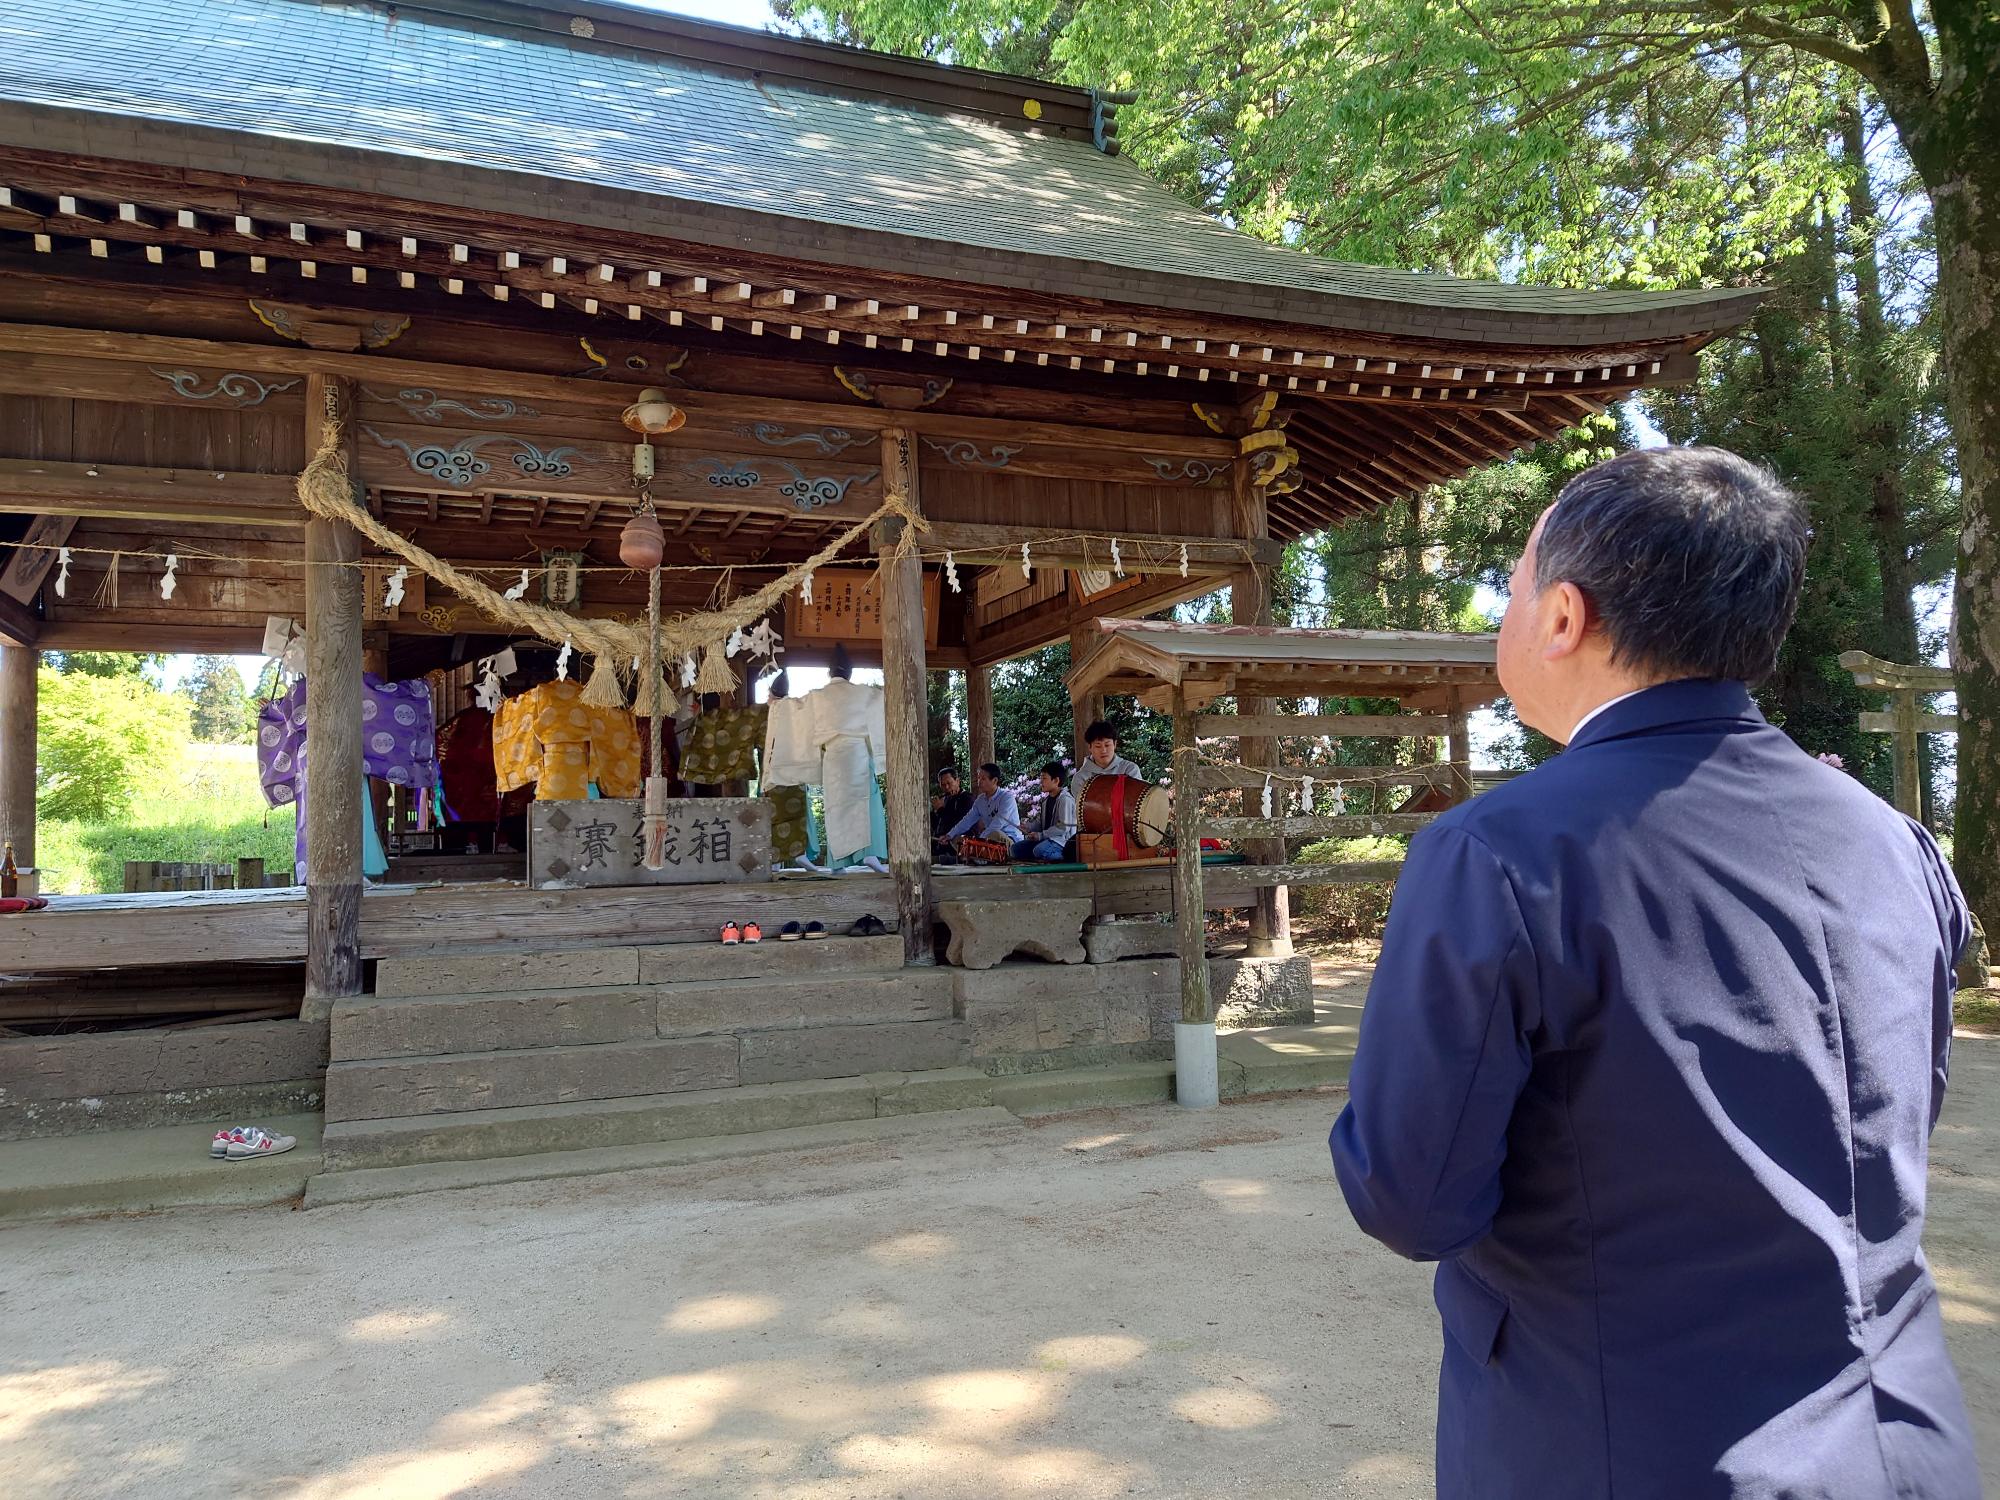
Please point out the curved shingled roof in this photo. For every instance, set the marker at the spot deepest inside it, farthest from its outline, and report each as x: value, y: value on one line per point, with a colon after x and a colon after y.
x: 718, y: 135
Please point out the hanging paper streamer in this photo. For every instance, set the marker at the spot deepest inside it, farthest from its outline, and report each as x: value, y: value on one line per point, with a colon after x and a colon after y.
x: 1339, y: 800
x: 805, y: 592
x: 1027, y: 568
x: 951, y: 572
x: 167, y: 579
x: 1306, y: 795
x: 62, y: 572
x: 1267, y: 795
x: 562, y: 657
x: 764, y: 641
x: 734, y: 645
x: 520, y: 589
x: 393, y: 595
x: 688, y: 668
x: 1117, y: 562
x: 1183, y: 559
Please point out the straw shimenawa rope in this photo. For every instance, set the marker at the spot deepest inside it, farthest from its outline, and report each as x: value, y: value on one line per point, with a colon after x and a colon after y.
x: 327, y: 490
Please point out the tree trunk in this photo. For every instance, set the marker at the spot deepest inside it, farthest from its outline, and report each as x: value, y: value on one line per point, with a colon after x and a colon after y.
x: 1948, y: 123
x: 1882, y: 441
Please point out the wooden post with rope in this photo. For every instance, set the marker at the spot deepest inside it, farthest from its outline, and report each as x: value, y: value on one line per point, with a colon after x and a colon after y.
x: 906, y: 778
x: 333, y: 810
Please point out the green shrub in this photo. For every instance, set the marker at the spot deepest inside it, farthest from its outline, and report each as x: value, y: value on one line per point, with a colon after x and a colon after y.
x: 100, y: 739
x: 1348, y: 911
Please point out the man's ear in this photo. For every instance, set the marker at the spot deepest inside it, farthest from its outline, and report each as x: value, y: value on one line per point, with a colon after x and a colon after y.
x: 1566, y: 620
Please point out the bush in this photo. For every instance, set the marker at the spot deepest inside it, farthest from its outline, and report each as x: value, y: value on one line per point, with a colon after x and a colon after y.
x: 1348, y: 911
x: 100, y: 739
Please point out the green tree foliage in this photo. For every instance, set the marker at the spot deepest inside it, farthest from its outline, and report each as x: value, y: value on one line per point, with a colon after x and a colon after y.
x: 221, y: 712
x: 100, y: 740
x: 106, y: 663
x: 1650, y: 143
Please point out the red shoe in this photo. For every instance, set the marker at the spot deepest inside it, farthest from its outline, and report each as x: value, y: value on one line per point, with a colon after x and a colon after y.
x: 731, y: 934
x: 752, y: 933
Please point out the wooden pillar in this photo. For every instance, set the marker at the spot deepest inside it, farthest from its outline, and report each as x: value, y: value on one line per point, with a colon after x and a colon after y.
x: 333, y: 729
x: 978, y: 717
x: 1460, y: 733
x: 1250, y: 604
x: 906, y: 776
x: 1189, y: 906
x: 1084, y: 638
x: 18, y: 712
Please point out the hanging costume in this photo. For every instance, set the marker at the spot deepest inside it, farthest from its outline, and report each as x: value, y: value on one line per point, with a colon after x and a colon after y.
x: 834, y: 738
x: 723, y: 745
x: 398, y: 744
x: 551, y: 737
x: 465, y: 760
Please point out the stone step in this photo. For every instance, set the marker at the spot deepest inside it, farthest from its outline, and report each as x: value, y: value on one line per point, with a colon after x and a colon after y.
x: 602, y: 1124
x: 501, y: 970
x: 1249, y: 1065
x: 366, y: 1184
x: 455, y: 1082
x: 388, y: 1026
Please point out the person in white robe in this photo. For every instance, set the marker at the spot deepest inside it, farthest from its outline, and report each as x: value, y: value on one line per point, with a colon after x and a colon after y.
x: 834, y: 738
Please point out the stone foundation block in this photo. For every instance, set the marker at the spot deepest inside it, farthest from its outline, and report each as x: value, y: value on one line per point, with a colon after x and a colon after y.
x: 851, y: 1051
x: 984, y: 932
x: 1107, y: 942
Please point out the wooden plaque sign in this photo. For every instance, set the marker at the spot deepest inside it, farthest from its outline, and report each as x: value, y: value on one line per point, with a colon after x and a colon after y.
x: 847, y: 607
x: 710, y: 841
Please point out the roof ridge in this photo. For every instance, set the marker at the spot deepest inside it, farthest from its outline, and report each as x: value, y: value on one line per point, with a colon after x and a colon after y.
x: 1027, y: 103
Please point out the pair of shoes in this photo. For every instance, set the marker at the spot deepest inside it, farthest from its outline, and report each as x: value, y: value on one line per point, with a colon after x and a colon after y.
x: 791, y: 932
x: 242, y: 1142
x: 869, y: 925
x: 749, y: 932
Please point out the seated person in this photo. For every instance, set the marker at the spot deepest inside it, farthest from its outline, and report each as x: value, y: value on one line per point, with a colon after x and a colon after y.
x: 992, y: 816
x: 1047, y: 836
x: 952, y: 802
x: 1101, y: 759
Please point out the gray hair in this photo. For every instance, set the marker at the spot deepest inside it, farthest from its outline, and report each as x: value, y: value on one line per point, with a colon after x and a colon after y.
x: 1690, y: 558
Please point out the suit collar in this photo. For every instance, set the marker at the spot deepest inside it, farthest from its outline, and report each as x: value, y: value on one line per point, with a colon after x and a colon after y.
x: 1690, y: 699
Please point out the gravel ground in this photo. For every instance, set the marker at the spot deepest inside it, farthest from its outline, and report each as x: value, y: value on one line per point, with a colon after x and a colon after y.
x: 1137, y: 1302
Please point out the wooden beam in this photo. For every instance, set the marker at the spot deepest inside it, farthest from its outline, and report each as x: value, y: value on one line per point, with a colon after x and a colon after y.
x: 906, y: 775
x: 333, y: 811
x: 1000, y: 546
x: 1250, y: 604
x: 18, y: 710
x: 1874, y: 722
x: 39, y: 486
x: 978, y: 716
x: 34, y: 555
x: 135, y: 348
x: 19, y: 624
x: 1345, y: 826
x: 1313, y: 726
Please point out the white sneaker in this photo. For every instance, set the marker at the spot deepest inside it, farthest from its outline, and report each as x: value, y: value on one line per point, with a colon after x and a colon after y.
x: 260, y: 1142
x: 219, y: 1147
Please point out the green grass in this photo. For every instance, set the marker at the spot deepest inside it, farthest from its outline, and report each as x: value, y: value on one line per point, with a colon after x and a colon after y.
x: 209, y: 812
x: 1978, y: 1009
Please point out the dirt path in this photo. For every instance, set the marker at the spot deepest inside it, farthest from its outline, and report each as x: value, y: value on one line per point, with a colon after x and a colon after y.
x: 992, y: 1313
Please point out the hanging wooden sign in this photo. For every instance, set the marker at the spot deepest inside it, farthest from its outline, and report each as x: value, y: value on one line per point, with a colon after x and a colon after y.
x: 847, y: 608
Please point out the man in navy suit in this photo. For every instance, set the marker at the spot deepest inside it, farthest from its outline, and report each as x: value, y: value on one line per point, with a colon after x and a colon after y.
x: 1659, y: 1033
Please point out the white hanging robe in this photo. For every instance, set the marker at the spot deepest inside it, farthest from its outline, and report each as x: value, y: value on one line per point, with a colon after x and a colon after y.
x: 833, y: 738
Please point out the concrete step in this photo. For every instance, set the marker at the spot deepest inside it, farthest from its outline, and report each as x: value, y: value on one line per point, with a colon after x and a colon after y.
x: 369, y: 1183
x: 504, y: 970
x: 383, y: 1088
x: 164, y: 1166
x: 384, y: 1026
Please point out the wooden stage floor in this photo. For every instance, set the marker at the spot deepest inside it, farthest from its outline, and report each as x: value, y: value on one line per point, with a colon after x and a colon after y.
x: 169, y: 928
